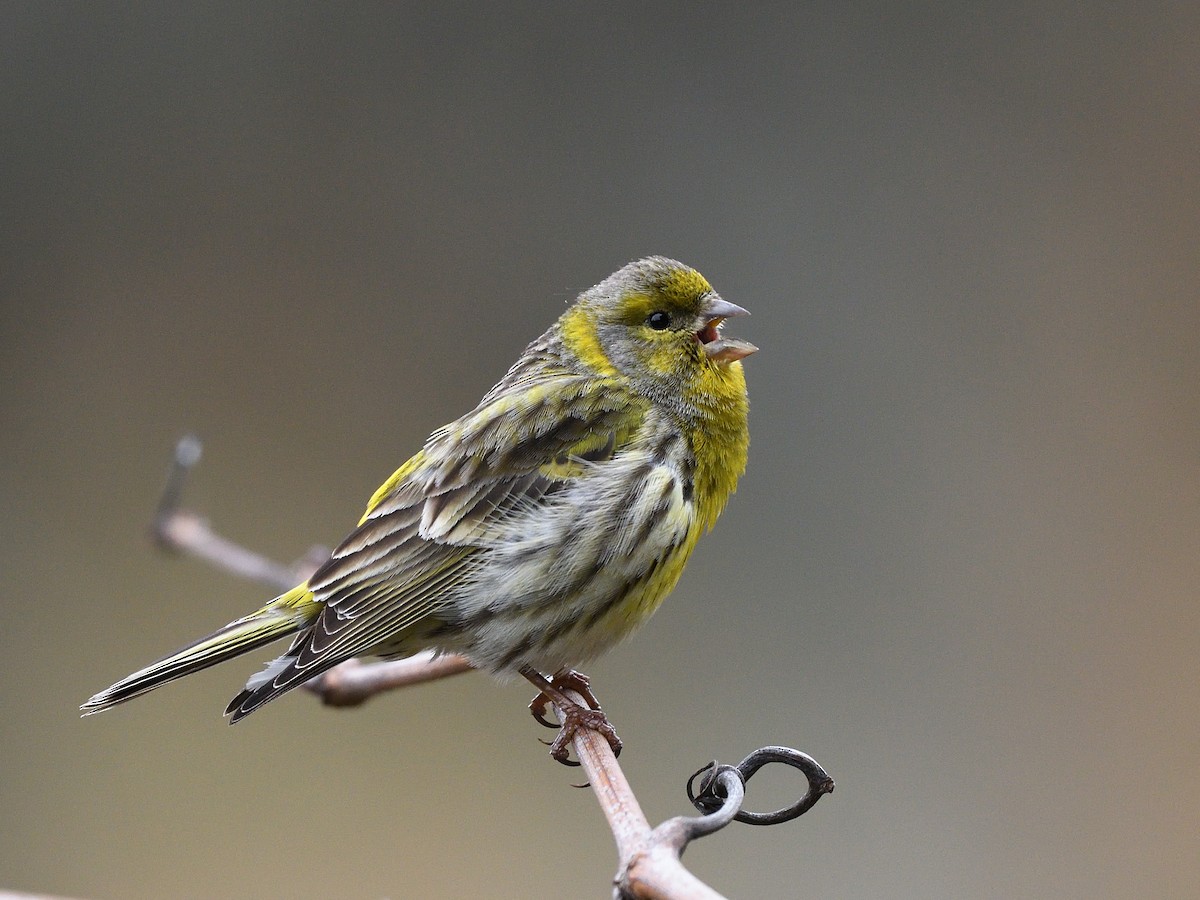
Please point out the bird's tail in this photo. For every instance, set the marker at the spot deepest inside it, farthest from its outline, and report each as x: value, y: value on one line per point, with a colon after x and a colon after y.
x: 284, y: 615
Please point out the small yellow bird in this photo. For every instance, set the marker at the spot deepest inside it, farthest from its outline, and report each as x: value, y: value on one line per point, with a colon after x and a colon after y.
x: 542, y: 527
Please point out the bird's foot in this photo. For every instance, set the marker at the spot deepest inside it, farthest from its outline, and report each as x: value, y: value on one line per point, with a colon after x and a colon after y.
x: 573, y: 715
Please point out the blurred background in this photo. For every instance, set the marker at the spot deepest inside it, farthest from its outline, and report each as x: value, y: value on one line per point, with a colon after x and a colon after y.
x: 961, y: 570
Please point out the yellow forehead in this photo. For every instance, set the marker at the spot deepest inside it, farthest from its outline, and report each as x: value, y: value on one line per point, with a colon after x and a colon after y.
x: 682, y: 285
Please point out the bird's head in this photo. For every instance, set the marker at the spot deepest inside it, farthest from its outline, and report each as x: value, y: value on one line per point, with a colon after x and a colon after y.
x: 658, y: 323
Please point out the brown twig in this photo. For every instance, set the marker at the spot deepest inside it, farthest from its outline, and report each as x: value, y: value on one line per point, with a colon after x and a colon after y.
x: 649, y: 864
x: 354, y: 682
x: 649, y: 860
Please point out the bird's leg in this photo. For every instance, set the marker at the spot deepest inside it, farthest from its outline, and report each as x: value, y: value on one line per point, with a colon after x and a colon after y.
x: 570, y: 680
x: 574, y: 716
x: 563, y: 680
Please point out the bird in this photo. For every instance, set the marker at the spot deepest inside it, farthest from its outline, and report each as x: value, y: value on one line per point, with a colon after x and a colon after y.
x: 539, y: 529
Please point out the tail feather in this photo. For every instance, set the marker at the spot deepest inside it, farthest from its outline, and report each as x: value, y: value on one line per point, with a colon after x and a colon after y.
x: 284, y: 615
x: 279, y: 677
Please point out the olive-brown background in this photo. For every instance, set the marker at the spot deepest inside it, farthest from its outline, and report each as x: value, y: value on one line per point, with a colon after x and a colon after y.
x: 961, y: 570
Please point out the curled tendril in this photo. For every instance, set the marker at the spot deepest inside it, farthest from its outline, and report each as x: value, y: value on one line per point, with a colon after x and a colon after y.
x: 713, y: 794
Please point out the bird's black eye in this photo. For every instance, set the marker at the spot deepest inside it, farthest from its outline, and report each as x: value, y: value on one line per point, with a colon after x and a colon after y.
x: 659, y: 321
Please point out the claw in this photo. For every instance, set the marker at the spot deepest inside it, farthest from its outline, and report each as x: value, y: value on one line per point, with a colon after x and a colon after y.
x: 537, y: 708
x: 564, y: 759
x: 576, y: 717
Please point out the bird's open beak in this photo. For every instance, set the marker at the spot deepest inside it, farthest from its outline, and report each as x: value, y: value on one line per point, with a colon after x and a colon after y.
x: 716, y: 347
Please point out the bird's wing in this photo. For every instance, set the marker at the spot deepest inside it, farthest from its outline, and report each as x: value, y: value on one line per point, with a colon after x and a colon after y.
x: 424, y: 527
x: 452, y: 499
